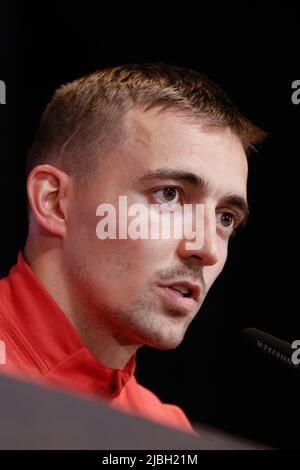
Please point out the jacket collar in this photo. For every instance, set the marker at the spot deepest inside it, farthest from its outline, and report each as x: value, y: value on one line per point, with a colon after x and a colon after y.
x: 64, y: 358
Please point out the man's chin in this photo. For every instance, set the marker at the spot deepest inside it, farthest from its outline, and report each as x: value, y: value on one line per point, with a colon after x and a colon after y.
x: 165, y: 342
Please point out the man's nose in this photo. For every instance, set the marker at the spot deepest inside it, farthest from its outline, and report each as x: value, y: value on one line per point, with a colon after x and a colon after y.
x: 208, y: 252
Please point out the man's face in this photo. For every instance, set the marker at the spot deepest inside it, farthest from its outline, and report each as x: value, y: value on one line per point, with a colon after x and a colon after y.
x: 132, y: 287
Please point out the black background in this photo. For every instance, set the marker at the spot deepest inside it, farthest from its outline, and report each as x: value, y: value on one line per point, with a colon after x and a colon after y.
x: 253, y: 53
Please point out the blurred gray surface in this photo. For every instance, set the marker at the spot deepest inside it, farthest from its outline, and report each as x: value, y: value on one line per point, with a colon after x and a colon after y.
x: 34, y: 417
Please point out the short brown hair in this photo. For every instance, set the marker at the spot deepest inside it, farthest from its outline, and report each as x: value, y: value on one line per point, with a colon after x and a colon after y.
x: 91, y: 109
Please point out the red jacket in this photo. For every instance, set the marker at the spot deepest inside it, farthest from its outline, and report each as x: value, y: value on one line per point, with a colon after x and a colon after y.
x: 41, y: 344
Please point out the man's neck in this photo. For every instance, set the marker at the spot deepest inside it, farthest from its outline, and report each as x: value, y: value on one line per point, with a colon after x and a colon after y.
x: 95, y: 334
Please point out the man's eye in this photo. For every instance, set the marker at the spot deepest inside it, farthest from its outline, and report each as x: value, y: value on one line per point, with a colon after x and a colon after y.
x: 169, y: 194
x: 227, y: 220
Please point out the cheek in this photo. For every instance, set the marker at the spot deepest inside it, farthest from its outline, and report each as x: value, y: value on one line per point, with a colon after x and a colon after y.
x: 124, y: 265
x: 127, y: 267
x: 123, y: 271
x: 112, y: 267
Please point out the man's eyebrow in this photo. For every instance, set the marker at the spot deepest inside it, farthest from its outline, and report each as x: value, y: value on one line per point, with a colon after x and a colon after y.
x: 167, y: 173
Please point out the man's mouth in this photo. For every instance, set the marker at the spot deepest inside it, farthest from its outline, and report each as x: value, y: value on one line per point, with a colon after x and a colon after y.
x: 181, y: 297
x: 184, y: 289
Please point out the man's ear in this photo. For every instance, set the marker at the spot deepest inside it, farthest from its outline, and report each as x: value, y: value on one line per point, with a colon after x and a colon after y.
x: 47, y: 191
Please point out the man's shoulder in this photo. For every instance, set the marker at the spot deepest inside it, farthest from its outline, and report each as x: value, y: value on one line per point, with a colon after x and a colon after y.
x: 18, y: 356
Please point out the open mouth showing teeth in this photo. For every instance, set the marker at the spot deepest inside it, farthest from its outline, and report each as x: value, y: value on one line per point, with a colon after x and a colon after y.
x: 183, y: 291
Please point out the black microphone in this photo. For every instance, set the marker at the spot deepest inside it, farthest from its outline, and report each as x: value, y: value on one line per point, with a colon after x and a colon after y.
x: 275, y: 348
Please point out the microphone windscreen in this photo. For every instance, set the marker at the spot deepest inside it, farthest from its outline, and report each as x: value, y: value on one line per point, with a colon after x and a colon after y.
x: 275, y: 348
